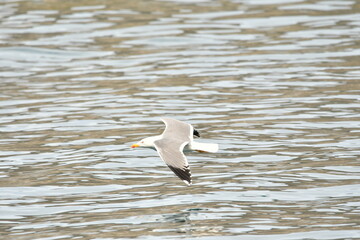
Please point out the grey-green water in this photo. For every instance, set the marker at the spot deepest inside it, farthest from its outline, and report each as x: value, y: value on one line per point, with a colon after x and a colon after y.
x: 275, y: 83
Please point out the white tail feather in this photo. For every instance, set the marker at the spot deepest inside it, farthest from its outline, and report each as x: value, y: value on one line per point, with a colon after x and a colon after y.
x: 204, y: 147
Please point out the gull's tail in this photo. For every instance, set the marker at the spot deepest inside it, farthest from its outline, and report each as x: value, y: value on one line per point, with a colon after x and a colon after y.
x: 204, y: 147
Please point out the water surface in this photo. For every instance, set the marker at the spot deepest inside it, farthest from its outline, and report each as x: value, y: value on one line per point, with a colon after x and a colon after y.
x: 275, y: 83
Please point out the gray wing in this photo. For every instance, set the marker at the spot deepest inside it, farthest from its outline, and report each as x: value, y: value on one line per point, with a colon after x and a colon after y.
x: 171, y: 152
x: 176, y: 129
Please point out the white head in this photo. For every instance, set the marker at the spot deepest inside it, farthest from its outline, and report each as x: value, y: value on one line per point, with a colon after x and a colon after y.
x: 146, y: 142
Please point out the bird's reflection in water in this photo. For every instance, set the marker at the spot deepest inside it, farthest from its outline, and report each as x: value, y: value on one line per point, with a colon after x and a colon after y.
x: 183, y: 217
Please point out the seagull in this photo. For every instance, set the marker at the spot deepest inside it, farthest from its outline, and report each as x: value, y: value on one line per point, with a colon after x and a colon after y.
x: 177, y: 137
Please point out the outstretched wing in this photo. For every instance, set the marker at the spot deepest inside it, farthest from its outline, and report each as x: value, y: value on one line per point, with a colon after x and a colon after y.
x: 175, y: 129
x: 171, y: 152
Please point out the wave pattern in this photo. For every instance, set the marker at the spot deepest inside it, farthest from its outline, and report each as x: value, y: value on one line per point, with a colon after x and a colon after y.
x: 275, y: 83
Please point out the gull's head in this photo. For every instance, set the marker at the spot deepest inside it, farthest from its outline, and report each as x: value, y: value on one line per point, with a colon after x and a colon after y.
x: 146, y: 142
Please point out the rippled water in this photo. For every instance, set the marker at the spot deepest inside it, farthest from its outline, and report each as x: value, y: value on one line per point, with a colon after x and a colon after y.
x: 275, y: 83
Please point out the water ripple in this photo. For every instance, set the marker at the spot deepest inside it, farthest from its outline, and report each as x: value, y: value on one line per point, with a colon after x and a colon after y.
x: 275, y: 83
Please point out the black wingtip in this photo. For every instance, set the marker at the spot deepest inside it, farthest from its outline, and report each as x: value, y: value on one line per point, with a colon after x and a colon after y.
x: 196, y: 133
x: 183, y: 174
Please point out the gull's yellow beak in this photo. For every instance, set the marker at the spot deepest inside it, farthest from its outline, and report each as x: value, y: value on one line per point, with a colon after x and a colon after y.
x: 135, y: 145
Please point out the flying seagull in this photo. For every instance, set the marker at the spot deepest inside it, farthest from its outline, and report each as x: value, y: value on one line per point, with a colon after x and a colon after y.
x: 177, y: 137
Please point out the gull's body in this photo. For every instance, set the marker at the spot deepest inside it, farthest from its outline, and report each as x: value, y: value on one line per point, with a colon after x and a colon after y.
x: 177, y: 137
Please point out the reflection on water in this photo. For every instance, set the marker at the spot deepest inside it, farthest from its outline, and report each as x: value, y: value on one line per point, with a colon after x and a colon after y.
x: 275, y: 83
